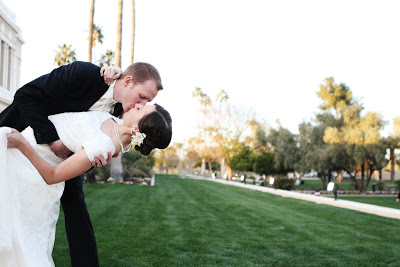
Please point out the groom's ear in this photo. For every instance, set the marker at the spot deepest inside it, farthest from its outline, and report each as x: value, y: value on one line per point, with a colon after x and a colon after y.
x: 127, y: 80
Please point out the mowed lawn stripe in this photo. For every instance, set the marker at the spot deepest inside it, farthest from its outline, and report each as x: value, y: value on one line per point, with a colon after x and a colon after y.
x: 181, y: 222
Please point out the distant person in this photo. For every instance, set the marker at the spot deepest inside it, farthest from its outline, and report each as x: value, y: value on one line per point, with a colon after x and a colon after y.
x: 398, y: 197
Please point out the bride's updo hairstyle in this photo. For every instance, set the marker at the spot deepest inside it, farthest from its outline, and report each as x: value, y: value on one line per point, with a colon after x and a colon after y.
x: 157, y: 126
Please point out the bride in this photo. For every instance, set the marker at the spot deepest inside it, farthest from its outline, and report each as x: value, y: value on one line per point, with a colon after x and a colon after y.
x: 32, y: 176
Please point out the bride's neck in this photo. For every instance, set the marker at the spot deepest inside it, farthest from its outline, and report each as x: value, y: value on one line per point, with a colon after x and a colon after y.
x: 125, y: 135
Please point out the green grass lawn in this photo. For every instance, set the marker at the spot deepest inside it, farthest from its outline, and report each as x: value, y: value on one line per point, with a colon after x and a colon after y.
x: 183, y: 222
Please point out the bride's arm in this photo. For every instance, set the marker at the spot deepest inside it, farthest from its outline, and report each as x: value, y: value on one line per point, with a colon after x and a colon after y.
x: 68, y: 169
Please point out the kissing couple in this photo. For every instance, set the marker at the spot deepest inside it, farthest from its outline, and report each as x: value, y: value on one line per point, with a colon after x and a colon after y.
x: 58, y: 127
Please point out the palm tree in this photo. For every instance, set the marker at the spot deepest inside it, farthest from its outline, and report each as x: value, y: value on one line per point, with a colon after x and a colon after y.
x: 133, y: 31
x: 222, y: 96
x: 107, y: 59
x: 90, y: 38
x: 65, y: 55
x: 97, y: 35
x: 116, y: 163
x: 119, y: 35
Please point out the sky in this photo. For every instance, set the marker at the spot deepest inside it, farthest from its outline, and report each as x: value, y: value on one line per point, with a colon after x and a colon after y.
x: 269, y: 56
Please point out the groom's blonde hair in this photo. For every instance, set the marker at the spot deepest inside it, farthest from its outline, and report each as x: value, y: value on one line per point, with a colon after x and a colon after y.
x: 141, y: 72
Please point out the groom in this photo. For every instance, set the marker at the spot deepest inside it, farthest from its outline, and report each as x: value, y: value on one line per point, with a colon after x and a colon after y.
x: 73, y: 88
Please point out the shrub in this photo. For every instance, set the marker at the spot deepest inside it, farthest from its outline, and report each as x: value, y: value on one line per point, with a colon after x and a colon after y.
x: 284, y: 182
x: 380, y: 185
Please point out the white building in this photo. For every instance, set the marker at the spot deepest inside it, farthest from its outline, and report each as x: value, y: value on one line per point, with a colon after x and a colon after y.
x: 10, y: 55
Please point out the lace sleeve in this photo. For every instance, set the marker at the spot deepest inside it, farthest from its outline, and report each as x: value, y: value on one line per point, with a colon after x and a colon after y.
x: 101, y: 144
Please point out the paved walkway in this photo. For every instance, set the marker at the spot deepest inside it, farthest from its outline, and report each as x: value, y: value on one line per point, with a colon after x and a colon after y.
x: 367, y: 208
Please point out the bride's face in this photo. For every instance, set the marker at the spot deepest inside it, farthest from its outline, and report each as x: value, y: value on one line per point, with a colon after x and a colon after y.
x: 134, y: 115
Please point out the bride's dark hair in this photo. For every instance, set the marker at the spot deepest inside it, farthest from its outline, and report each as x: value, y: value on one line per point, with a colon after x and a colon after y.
x: 157, y: 126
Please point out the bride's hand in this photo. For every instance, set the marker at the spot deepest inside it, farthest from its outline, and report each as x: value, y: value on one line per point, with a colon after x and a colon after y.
x: 15, y: 139
x: 100, y: 161
x: 110, y: 73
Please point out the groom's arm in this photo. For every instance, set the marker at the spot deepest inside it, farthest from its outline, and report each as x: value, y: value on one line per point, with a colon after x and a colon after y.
x: 36, y: 98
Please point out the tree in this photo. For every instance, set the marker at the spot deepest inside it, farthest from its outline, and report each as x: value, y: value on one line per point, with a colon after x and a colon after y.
x: 354, y: 144
x: 264, y: 163
x: 285, y: 146
x: 116, y: 162
x: 392, y: 142
x: 65, y: 55
x: 119, y: 35
x: 133, y: 31
x: 334, y: 96
x: 135, y: 164
x: 191, y: 158
x: 244, y: 159
x: 166, y: 159
x: 160, y: 159
x: 363, y: 143
x: 90, y: 38
x: 258, y: 138
x: 107, y: 59
x: 97, y: 35
x: 220, y: 127
x: 314, y: 153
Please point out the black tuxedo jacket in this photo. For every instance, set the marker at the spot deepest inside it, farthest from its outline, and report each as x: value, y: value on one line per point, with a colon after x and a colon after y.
x: 70, y: 88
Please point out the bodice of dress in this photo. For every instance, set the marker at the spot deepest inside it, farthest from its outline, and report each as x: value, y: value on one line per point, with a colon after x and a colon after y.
x: 77, y: 130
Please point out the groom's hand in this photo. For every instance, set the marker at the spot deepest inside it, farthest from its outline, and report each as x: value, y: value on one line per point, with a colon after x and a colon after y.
x: 110, y: 74
x: 60, y: 149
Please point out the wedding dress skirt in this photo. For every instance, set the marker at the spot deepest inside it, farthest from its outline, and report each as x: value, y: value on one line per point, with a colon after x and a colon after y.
x: 29, y: 208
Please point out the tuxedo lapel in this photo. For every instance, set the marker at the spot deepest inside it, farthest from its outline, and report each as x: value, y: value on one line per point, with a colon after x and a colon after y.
x: 117, y: 110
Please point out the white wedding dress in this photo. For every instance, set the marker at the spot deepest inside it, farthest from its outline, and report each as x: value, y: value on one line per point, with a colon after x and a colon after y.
x: 29, y: 208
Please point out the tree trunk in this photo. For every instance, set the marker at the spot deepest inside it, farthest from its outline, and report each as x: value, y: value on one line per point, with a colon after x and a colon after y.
x: 392, y: 163
x: 90, y: 38
x: 356, y: 184
x: 322, y: 176
x: 222, y: 168
x: 362, y: 178
x: 119, y: 35
x: 370, y: 172
x: 116, y: 169
x: 116, y: 162
x: 133, y: 31
x: 324, y: 183
x: 229, y: 172
x: 339, y: 178
x: 362, y: 172
x: 354, y: 179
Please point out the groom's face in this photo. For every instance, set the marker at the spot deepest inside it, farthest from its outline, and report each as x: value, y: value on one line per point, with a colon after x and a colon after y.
x: 138, y: 93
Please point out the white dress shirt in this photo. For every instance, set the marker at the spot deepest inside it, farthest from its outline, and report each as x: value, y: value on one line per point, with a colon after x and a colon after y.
x: 106, y: 102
